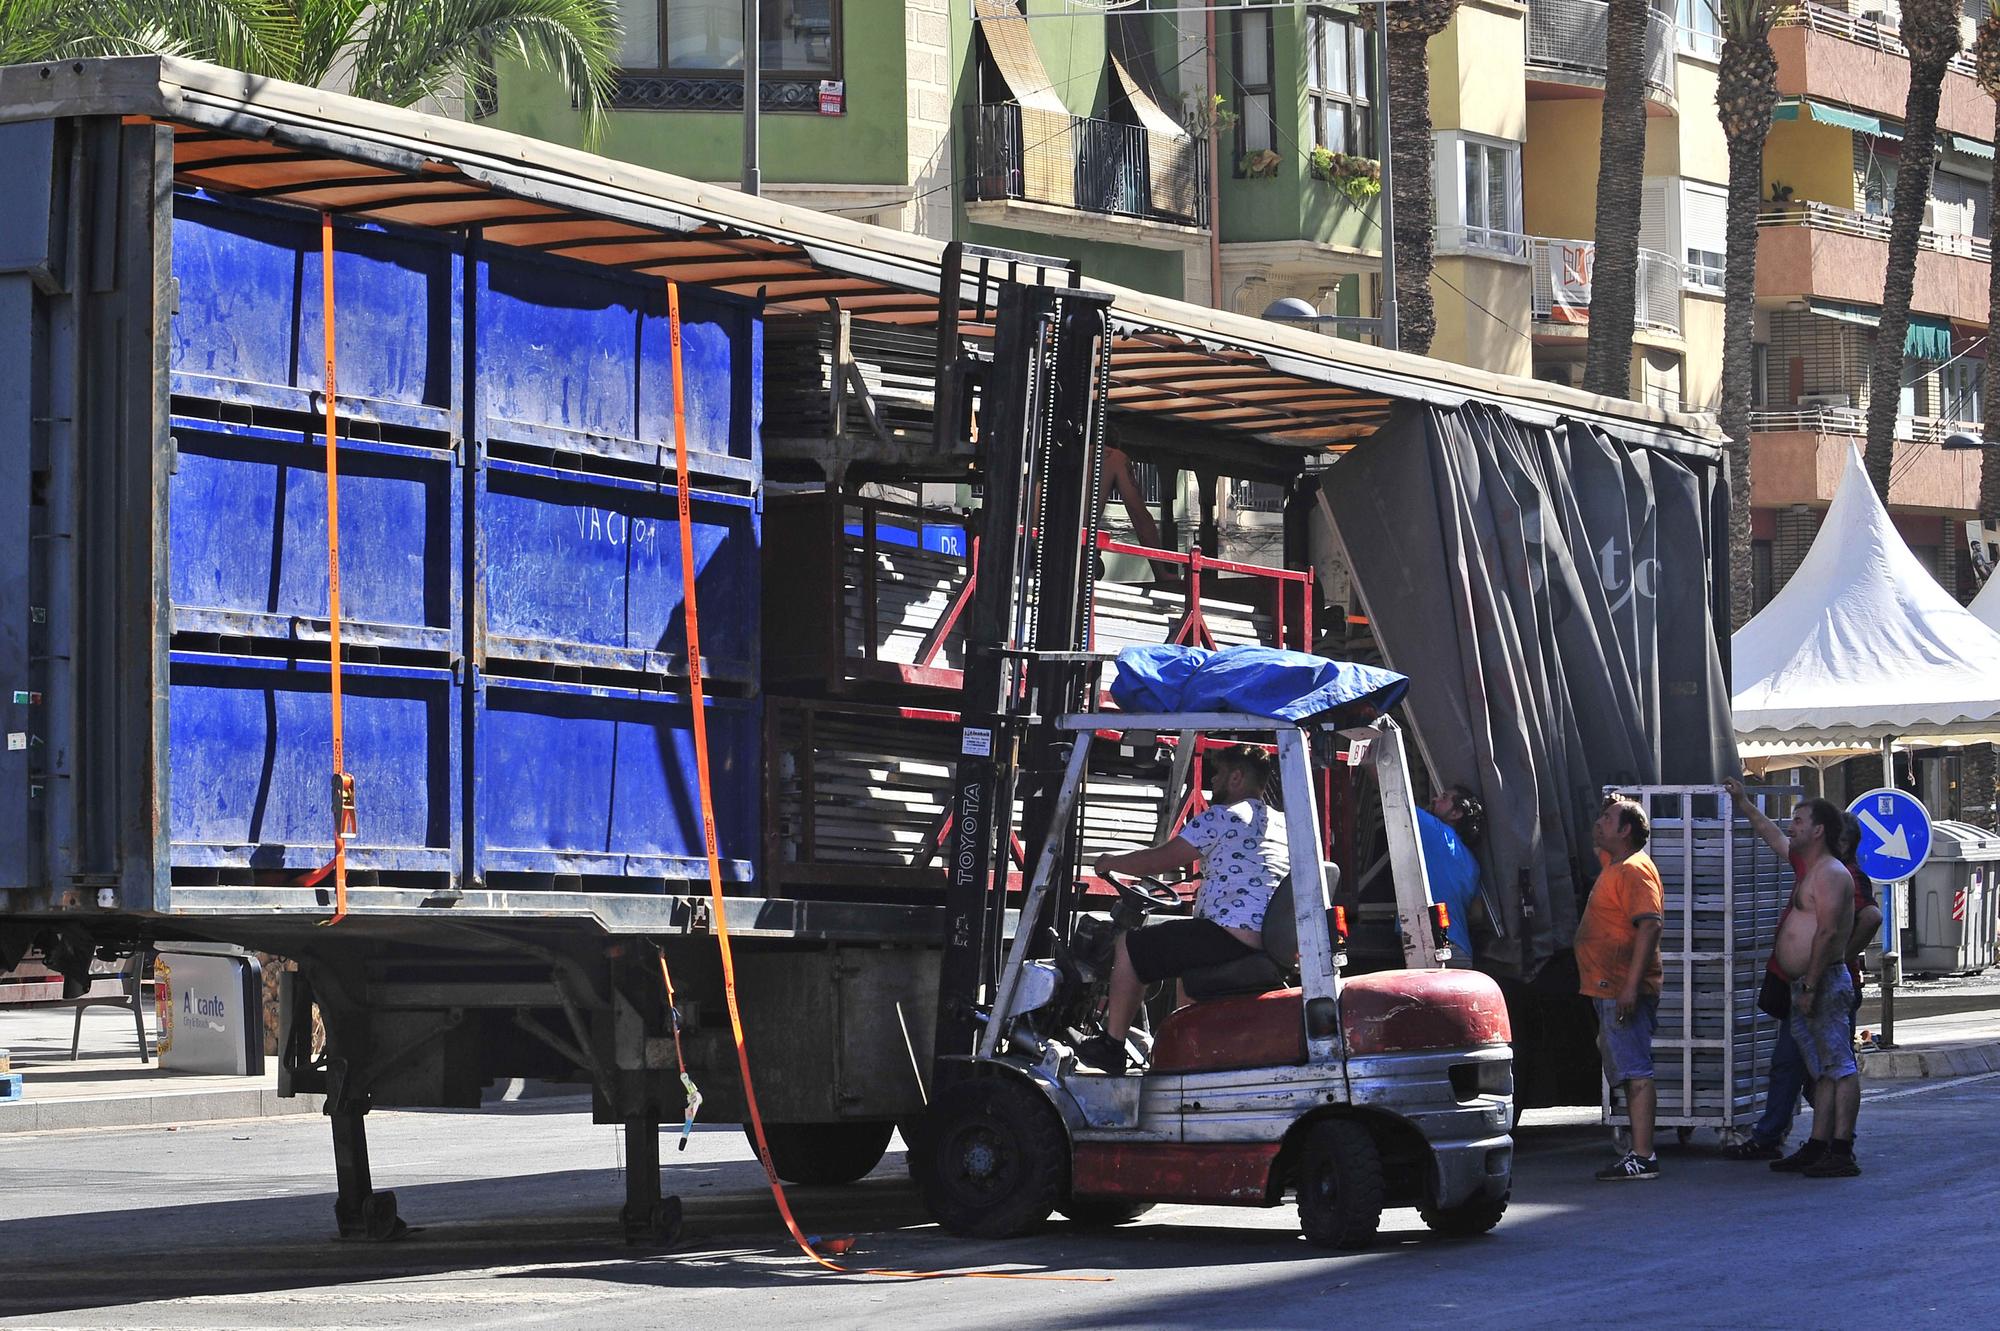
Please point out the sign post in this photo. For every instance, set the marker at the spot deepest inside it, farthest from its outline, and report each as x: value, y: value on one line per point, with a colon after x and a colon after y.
x: 1895, y: 843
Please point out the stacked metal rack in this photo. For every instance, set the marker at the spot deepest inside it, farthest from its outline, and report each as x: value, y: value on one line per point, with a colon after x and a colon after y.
x: 1724, y: 889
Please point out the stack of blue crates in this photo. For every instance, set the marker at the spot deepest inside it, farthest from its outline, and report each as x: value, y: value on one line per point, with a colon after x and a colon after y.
x: 516, y: 705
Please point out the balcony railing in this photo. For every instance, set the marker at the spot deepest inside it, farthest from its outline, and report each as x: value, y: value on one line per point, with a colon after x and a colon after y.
x: 1563, y: 277
x: 1854, y: 421
x: 1095, y: 166
x: 1870, y: 226
x: 1570, y: 35
x: 1862, y: 31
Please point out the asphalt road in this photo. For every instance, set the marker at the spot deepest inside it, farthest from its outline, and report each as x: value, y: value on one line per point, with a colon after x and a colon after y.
x: 227, y: 1225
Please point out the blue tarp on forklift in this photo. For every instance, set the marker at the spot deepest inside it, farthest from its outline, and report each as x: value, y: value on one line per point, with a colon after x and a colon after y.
x: 1257, y: 681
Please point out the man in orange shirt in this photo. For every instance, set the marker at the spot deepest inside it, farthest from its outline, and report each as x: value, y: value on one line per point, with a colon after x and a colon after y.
x: 1618, y: 961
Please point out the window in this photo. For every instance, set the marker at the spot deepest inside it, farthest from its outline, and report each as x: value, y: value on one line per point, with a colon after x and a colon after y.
x: 1762, y: 575
x: 1959, y: 389
x: 1701, y: 30
x: 1490, y: 195
x: 1251, y: 57
x: 1704, y: 228
x: 1339, y: 84
x: 704, y: 38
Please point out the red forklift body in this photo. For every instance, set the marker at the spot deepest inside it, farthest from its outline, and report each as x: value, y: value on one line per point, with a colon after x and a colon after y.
x: 1388, y: 1012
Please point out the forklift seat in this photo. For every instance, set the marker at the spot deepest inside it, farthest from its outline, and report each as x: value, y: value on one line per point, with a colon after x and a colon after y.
x: 1260, y: 972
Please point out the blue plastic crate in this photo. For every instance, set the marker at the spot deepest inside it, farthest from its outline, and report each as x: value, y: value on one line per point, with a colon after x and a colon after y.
x: 586, y: 570
x: 602, y: 781
x: 250, y: 327
x: 251, y: 744
x: 581, y: 360
x: 247, y: 552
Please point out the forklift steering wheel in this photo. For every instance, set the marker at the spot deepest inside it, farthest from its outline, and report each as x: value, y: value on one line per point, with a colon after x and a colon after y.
x: 1145, y: 893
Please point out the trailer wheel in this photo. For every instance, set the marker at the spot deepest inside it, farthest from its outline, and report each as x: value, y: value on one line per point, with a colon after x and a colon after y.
x: 997, y: 1158
x: 1103, y: 1212
x: 1340, y: 1185
x: 1466, y: 1220
x: 824, y: 1153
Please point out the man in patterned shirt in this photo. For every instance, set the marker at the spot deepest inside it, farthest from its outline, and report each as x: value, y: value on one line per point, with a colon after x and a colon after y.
x: 1240, y: 842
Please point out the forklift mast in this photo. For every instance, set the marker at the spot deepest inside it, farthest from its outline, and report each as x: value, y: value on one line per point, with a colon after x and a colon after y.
x: 1043, y: 399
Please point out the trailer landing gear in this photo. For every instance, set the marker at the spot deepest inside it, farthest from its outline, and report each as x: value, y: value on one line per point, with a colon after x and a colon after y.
x: 649, y: 1218
x: 359, y: 1210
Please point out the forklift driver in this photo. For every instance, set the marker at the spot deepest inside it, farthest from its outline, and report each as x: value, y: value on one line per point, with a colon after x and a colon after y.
x: 1240, y: 842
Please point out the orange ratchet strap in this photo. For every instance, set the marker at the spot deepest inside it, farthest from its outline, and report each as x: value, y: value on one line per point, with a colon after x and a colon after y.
x: 718, y: 911
x: 344, y: 818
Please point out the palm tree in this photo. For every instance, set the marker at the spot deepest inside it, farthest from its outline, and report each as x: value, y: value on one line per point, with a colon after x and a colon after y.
x: 397, y: 51
x: 1621, y: 180
x: 1930, y: 31
x: 1412, y: 24
x: 244, y: 34
x: 1981, y: 774
x: 1986, y: 59
x: 1746, y: 89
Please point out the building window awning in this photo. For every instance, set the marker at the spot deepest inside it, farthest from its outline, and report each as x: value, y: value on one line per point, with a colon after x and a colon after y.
x: 1972, y: 147
x: 1012, y: 47
x: 1838, y: 116
x: 1926, y: 338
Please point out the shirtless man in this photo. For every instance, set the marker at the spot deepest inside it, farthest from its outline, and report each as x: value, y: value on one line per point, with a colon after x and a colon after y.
x: 1811, y: 952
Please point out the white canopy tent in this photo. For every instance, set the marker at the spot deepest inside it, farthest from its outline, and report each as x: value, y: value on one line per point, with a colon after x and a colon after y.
x: 1986, y: 605
x: 1861, y: 649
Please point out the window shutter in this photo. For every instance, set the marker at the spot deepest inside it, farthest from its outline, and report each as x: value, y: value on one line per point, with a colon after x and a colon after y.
x: 1656, y: 217
x: 1704, y: 218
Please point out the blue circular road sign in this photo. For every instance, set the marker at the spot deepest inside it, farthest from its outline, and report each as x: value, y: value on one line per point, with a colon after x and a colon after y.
x: 1895, y: 834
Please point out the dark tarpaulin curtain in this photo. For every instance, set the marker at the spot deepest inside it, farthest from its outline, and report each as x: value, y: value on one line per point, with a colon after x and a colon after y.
x: 1550, y: 593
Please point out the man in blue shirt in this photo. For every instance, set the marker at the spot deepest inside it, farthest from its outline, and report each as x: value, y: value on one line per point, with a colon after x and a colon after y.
x: 1449, y: 829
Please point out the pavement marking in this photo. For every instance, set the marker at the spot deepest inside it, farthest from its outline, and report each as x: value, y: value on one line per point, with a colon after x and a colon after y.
x: 1873, y: 1097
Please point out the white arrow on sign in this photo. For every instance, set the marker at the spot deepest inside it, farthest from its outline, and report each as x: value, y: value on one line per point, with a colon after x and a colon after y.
x: 1895, y: 845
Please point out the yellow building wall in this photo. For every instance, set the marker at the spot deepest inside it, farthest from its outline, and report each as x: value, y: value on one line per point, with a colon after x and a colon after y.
x: 1703, y: 152
x: 1469, y: 336
x: 1701, y: 371
x: 1478, y: 80
x: 1816, y: 160
x: 1559, y: 169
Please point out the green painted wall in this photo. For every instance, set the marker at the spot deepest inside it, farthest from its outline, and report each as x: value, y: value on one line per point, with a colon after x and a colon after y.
x: 1290, y: 205
x: 1157, y: 272
x: 867, y: 145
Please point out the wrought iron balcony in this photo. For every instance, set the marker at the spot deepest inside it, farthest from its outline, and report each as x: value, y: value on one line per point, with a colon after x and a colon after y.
x: 1094, y: 166
x: 1563, y: 276
x: 1568, y: 36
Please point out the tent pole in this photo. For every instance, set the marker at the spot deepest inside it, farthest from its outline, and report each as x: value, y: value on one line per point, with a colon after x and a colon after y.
x: 1891, y: 926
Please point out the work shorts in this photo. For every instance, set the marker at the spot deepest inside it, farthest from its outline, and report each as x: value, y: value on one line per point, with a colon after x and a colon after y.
x: 1826, y: 1038
x: 1627, y: 1046
x: 1175, y: 947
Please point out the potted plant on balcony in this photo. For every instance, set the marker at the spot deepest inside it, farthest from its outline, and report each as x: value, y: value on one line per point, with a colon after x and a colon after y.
x: 1260, y: 165
x: 1359, y: 178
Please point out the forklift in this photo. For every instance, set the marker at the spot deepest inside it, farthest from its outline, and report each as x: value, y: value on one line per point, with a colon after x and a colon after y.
x: 1281, y: 1078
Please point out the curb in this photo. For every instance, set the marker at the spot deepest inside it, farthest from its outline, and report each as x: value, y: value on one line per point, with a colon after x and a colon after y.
x: 168, y: 1108
x: 1952, y: 1060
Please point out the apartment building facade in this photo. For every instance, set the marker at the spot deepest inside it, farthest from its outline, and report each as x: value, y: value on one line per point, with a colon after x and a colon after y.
x: 1036, y: 125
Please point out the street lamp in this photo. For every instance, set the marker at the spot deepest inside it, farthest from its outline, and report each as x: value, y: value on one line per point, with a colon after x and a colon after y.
x: 1958, y: 441
x: 1294, y: 310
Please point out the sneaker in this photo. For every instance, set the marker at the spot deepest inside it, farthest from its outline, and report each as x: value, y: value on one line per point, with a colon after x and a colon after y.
x: 1833, y: 1166
x: 1802, y: 1159
x: 1750, y: 1148
x: 1105, y: 1054
x: 1631, y: 1167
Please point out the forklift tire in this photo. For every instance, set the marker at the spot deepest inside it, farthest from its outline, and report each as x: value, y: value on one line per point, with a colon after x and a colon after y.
x: 997, y: 1158
x: 1468, y: 1219
x: 1340, y: 1185
x: 824, y: 1153
x: 1103, y: 1212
